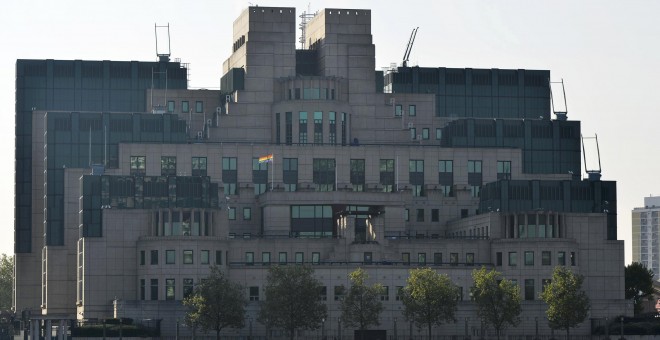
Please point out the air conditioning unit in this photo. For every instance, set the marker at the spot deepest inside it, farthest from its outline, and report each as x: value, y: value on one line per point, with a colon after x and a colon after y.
x: 209, y: 122
x: 228, y: 99
x: 411, y: 125
x: 200, y: 134
x: 218, y: 109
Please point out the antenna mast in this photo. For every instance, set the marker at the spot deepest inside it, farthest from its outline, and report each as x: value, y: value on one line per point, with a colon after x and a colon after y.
x: 304, y: 18
x: 411, y: 41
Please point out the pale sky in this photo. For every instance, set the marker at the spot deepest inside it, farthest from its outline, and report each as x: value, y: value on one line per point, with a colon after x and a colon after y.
x: 607, y: 53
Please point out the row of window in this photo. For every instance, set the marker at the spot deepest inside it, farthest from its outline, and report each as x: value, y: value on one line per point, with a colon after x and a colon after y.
x: 529, y: 258
x: 324, y: 173
x: 185, y: 106
x: 187, y: 257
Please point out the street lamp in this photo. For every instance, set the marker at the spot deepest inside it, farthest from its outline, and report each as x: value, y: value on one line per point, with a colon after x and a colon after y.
x: 536, y: 321
x: 250, y: 321
x: 466, y: 327
x: 339, y: 328
x: 322, y: 328
x: 395, y: 335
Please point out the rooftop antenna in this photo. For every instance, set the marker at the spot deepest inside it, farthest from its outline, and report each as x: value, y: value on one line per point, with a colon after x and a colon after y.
x: 594, y: 173
x: 304, y: 18
x: 411, y: 41
x: 560, y: 112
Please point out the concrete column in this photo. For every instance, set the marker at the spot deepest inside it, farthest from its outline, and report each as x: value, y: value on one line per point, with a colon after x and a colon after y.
x: 34, y: 329
x: 48, y: 330
x: 61, y: 330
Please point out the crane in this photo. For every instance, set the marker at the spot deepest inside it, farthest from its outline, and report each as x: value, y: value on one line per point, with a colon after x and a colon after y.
x: 411, y: 41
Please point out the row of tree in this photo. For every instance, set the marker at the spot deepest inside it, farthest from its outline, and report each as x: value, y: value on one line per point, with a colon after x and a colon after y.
x: 292, y: 300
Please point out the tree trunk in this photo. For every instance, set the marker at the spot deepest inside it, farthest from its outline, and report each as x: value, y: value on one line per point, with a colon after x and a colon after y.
x: 217, y: 334
x: 292, y: 333
x: 498, y: 333
x: 430, y: 330
x: 567, y: 333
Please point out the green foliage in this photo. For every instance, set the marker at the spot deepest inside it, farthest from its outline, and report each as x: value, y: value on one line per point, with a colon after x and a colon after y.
x: 429, y: 298
x: 292, y: 299
x: 639, y: 284
x: 497, y: 299
x: 6, y: 281
x: 361, y: 307
x: 216, y: 303
x: 568, y: 304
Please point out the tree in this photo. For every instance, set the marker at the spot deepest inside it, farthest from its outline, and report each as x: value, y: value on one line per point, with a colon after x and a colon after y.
x: 6, y: 281
x: 568, y: 304
x: 639, y: 284
x: 497, y: 299
x: 216, y: 303
x: 429, y: 298
x: 292, y: 299
x: 361, y: 307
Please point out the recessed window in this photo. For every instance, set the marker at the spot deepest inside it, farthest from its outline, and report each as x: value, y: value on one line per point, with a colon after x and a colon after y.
x: 142, y: 257
x: 187, y: 287
x: 421, y: 259
x: 412, y: 110
x: 170, y: 106
x: 453, y: 259
x: 437, y: 259
x: 154, y: 289
x: 469, y: 259
x: 385, y: 296
x: 170, y: 256
x: 420, y: 215
x: 368, y: 257
x: 513, y: 258
x: 546, y: 258
x: 405, y: 258
x: 282, y: 258
x: 199, y: 107
x: 154, y: 257
x: 254, y: 293
x: 231, y: 213
x: 249, y: 258
x: 529, y: 258
x: 265, y: 258
x: 188, y: 257
x: 561, y: 258
x: 247, y: 213
x: 169, y: 289
x: 300, y: 257
x: 204, y: 257
x: 398, y: 110
x: 529, y: 289
x: 185, y: 106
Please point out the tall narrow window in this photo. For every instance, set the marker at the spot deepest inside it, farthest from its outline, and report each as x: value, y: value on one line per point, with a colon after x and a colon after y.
x: 446, y: 177
x: 259, y: 176
x: 143, y: 289
x: 282, y: 257
x: 199, y: 107
x: 503, y: 169
x: 416, y: 176
x: 185, y: 106
x: 412, y: 110
x: 169, y: 289
x: 265, y: 258
x: 229, y: 175
x: 154, y: 289
x: 302, y: 127
x: 290, y: 174
x: 357, y: 174
x: 199, y: 166
x: 170, y: 106
x: 343, y: 127
x: 277, y: 128
x: 398, y: 110
x: 288, y: 128
x: 168, y: 166
x: 333, y: 127
x: 474, y: 177
x: 529, y: 289
x: 318, y: 127
x: 387, y: 174
x: 187, y: 287
x: 254, y: 293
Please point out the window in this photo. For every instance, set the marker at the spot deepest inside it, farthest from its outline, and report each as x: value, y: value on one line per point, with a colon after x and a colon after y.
x: 386, y: 167
x: 187, y: 287
x: 143, y: 288
x: 170, y: 106
x: 406, y: 215
x: 169, y: 289
x: 435, y: 215
x: 385, y: 294
x: 265, y: 258
x: 438, y: 133
x: 546, y: 258
x: 231, y: 213
x: 437, y: 259
x: 288, y: 127
x: 185, y: 106
x: 154, y: 257
x: 529, y: 258
x: 302, y: 127
x: 199, y: 107
x: 282, y: 258
x: 503, y: 169
x: 229, y: 175
x: 138, y: 165
x: 398, y: 110
x: 469, y: 259
x: 323, y: 296
x: 324, y: 174
x: 254, y: 293
x: 453, y: 259
x: 420, y: 215
x: 357, y: 174
x: 168, y: 166
x: 290, y: 174
x: 498, y: 256
x: 188, y: 257
x: 368, y: 257
x: 413, y: 133
x: 405, y: 258
x: 474, y: 177
x: 446, y: 177
x: 316, y: 258
x: 154, y: 289
x: 247, y: 213
x: 249, y: 258
x: 204, y: 257
x: 421, y: 259
x: 170, y: 256
x: 339, y: 293
x: 399, y: 293
x: 416, y: 176
x: 513, y: 258
x: 425, y: 133
x: 199, y: 166
x: 318, y: 127
x: 300, y: 257
x: 260, y: 175
x: 561, y: 258
x: 412, y: 110
x: 573, y: 259
x: 474, y: 166
x: 218, y: 257
x: 529, y: 289
x: 142, y: 257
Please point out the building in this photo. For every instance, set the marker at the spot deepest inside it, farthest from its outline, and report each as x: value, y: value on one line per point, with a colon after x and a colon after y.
x: 127, y: 192
x: 645, y: 228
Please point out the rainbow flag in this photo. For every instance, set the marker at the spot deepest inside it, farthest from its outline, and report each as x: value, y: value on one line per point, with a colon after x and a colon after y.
x: 266, y: 159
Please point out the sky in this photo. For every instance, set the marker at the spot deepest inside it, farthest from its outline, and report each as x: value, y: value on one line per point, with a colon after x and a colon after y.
x: 606, y: 52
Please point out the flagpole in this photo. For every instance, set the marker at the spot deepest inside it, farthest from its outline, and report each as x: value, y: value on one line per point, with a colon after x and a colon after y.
x: 272, y: 174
